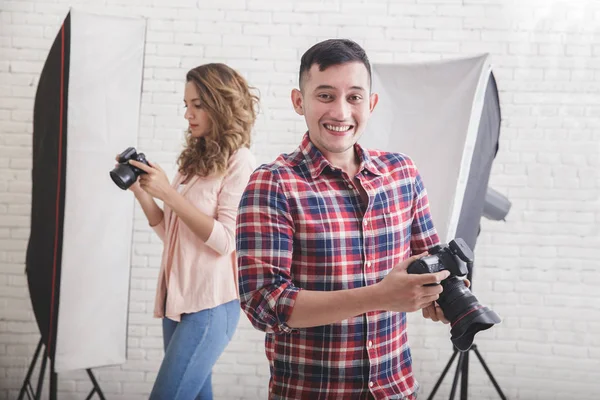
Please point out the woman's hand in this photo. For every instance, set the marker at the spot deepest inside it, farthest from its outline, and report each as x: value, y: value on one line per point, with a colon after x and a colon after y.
x: 155, y: 181
x: 135, y: 187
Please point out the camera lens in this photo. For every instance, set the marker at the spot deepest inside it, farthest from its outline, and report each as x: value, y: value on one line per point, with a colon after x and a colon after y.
x: 123, y: 176
x: 466, y: 315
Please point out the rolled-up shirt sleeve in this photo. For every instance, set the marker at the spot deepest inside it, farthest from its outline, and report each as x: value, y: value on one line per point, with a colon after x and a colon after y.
x: 264, y: 243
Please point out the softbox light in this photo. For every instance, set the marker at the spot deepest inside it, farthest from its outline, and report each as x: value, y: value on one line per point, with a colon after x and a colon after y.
x: 445, y: 115
x: 86, y: 110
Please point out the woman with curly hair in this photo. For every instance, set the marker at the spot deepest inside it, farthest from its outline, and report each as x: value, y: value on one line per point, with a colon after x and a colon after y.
x: 197, y: 295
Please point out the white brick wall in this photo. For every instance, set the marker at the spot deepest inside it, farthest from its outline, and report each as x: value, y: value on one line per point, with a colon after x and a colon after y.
x: 539, y: 270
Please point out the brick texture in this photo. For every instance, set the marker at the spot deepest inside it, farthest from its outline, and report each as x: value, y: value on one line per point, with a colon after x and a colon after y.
x: 538, y: 270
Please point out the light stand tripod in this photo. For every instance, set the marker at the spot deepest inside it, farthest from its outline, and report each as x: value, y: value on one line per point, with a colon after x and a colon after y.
x: 37, y: 395
x: 462, y: 367
x: 462, y: 370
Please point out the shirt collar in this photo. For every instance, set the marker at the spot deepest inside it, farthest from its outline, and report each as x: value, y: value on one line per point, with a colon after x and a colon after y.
x: 316, y: 161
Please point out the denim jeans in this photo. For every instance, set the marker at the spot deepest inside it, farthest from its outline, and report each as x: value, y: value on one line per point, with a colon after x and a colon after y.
x: 192, y: 347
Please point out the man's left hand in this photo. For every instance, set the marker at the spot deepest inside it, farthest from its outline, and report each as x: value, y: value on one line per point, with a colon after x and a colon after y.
x: 434, y: 311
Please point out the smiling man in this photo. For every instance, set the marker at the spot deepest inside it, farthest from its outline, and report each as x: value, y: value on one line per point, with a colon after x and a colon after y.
x: 324, y: 237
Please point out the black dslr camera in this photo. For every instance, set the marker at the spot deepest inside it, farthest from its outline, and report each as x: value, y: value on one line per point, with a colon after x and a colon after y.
x: 466, y: 315
x: 124, y: 175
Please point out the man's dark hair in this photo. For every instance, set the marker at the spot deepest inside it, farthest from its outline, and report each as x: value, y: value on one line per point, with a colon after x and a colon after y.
x: 333, y: 52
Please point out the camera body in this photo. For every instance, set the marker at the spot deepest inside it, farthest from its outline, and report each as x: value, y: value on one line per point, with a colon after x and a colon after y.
x: 466, y: 315
x: 124, y: 174
x: 452, y: 257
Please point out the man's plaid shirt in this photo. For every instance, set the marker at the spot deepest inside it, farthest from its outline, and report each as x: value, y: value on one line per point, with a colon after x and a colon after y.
x: 302, y: 225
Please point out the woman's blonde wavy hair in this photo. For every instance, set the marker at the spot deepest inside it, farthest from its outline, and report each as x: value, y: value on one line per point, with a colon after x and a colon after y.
x: 226, y: 96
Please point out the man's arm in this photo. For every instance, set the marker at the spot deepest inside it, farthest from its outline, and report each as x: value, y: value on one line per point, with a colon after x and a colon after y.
x: 264, y: 245
x: 315, y: 308
x: 268, y: 296
x: 398, y: 291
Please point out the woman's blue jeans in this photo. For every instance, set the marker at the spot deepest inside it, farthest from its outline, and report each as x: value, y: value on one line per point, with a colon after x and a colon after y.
x: 192, y: 347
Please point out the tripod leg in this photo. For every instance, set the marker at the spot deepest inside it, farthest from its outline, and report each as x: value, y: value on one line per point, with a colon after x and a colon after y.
x: 489, y: 373
x: 30, y: 370
x: 95, y: 383
x: 456, y: 375
x: 464, y: 376
x: 53, y: 379
x: 439, y: 382
x: 38, y: 393
x: 91, y: 394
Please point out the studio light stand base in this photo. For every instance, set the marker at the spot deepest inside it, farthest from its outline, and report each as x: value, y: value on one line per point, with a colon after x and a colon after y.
x: 27, y: 388
x: 462, y: 370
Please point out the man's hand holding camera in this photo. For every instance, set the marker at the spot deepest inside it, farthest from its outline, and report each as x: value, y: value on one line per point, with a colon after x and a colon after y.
x: 434, y: 312
x: 403, y: 292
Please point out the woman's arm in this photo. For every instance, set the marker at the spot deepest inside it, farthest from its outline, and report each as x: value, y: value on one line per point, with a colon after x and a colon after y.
x: 198, y: 222
x: 216, y: 233
x: 153, y: 212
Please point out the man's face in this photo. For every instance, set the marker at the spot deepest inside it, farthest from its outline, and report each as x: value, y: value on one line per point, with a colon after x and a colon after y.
x: 336, y: 104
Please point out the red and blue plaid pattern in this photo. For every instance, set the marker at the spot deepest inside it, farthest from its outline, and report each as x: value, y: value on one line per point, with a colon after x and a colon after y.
x: 302, y: 225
